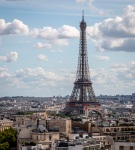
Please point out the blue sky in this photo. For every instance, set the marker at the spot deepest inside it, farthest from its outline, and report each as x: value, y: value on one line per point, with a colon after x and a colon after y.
x: 39, y: 46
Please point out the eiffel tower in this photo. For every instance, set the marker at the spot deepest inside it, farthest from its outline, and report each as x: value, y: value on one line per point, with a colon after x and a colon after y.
x: 83, y: 99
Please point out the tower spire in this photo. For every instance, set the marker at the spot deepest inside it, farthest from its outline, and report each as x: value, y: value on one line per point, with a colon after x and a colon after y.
x: 82, y: 15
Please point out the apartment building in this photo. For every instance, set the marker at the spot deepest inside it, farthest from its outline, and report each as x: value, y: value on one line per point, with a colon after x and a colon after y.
x: 5, y: 124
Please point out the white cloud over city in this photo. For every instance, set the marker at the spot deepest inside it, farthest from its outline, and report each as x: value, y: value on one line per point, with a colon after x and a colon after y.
x: 118, y: 77
x: 115, y: 34
x: 122, y: 74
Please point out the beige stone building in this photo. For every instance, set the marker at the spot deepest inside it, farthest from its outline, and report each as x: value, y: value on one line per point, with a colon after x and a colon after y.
x: 64, y: 126
x: 42, y: 134
x: 5, y: 124
x: 93, y: 132
x: 124, y: 146
x: 29, y: 137
x: 119, y: 133
x: 31, y: 119
x: 82, y: 126
x: 109, y: 135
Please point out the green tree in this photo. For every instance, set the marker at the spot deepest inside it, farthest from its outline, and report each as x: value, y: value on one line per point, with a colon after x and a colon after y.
x: 4, y: 146
x: 1, y: 138
x: 8, y: 136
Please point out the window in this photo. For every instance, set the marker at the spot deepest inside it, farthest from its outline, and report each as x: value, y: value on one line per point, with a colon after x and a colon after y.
x: 121, y: 148
x: 50, y: 145
x: 107, y: 130
x: 50, y: 137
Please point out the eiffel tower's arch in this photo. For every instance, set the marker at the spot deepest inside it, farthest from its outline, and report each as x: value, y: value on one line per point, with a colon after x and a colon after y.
x: 96, y: 113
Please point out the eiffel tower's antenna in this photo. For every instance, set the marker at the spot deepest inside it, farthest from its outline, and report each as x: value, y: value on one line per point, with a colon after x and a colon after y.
x: 82, y: 15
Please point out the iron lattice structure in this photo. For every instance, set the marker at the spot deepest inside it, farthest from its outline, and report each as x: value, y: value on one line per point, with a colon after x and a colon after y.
x: 83, y: 90
x: 83, y: 94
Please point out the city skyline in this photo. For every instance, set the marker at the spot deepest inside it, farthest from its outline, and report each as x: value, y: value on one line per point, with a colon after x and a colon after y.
x: 39, y: 46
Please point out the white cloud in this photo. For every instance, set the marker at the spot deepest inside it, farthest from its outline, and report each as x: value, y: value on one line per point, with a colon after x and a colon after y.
x: 52, y: 42
x: 4, y: 73
x: 129, y: 9
x: 98, y: 76
x: 130, y: 67
x: 102, y: 58
x: 42, y: 57
x: 3, y: 58
x: 125, y: 73
x: 15, y: 27
x: 49, y: 33
x: 127, y: 45
x: 115, y: 34
x: 12, y: 56
x: 45, y: 33
x: 27, y: 78
x: 67, y: 31
x: 93, y: 8
x: 49, y: 46
x: 58, y: 37
x: 116, y: 79
x: 36, y: 73
x: 61, y: 42
x: 41, y: 45
x: 56, y: 50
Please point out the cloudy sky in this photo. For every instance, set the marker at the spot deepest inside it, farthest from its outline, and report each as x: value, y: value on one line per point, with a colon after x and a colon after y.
x: 39, y: 45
